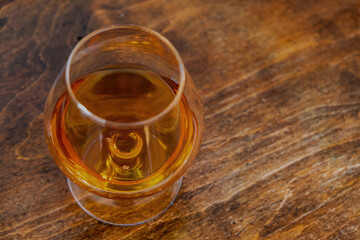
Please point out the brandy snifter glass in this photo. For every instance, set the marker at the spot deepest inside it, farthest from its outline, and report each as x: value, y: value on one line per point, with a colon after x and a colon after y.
x: 124, y: 121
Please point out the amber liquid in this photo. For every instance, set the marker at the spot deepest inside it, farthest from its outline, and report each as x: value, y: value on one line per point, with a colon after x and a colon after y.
x: 117, y: 158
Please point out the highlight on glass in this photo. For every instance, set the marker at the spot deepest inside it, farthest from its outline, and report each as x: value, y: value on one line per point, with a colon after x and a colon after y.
x: 124, y: 121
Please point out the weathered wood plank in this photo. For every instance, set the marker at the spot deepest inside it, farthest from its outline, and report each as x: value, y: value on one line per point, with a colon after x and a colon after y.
x: 280, y: 82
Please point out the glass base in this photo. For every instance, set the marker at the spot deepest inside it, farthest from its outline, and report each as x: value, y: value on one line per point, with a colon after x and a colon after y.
x: 125, y: 212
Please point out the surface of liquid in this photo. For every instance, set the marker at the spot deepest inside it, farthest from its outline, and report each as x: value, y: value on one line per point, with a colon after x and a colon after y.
x: 115, y: 158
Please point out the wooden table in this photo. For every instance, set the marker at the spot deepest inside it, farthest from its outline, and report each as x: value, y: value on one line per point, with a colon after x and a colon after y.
x: 280, y: 81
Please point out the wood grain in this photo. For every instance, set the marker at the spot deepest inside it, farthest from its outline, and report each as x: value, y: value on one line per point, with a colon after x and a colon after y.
x: 280, y: 81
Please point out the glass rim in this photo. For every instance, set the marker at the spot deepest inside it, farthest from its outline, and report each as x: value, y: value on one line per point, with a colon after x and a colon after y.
x: 108, y: 123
